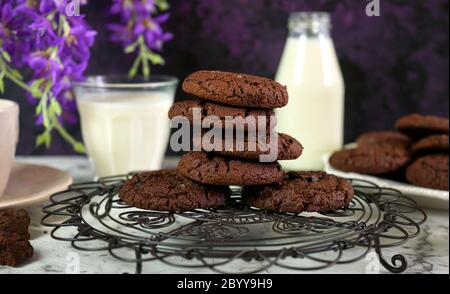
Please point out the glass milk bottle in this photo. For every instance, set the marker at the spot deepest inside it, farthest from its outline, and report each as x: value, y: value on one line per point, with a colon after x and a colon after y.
x: 310, y: 70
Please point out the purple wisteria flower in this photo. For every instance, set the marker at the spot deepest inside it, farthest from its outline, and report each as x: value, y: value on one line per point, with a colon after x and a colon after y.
x: 55, y: 46
x: 13, y: 28
x: 41, y: 36
x: 6, y: 25
x: 140, y: 31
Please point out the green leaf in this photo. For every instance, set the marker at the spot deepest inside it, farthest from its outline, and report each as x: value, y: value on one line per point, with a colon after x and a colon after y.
x: 2, y: 86
x: 132, y: 73
x: 133, y: 70
x: 37, y: 83
x: 35, y: 93
x: 55, y: 106
x: 155, y: 58
x: 130, y: 48
x: 43, y: 139
x: 65, y: 25
x: 46, y: 121
x: 35, y: 87
x: 79, y: 147
x: 145, y: 67
x: 6, y: 56
x: 162, y: 4
x: 15, y: 73
x: 38, y: 109
x: 54, y: 25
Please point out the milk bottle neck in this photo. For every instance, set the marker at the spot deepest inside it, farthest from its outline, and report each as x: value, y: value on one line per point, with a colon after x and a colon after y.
x: 310, y: 24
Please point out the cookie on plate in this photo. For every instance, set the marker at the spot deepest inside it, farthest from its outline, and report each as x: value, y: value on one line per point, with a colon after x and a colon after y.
x: 430, y: 171
x: 167, y: 190
x: 383, y: 138
x: 371, y: 159
x: 301, y: 191
x: 209, y: 168
x: 431, y: 144
x: 419, y: 126
x: 236, y: 89
x: 219, y: 112
x: 288, y: 148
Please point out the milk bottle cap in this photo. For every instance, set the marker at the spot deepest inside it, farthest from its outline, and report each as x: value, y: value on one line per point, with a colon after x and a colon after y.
x: 309, y: 22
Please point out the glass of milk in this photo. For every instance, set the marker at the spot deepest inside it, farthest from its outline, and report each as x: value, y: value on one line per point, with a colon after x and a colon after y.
x: 124, y: 122
x: 310, y: 70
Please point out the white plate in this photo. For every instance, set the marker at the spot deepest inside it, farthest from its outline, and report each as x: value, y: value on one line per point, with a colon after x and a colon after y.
x: 31, y: 184
x: 425, y: 197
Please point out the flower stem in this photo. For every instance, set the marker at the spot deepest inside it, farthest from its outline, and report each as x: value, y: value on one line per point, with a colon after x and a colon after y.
x: 77, y: 146
x: 50, y: 119
x: 20, y: 83
x: 143, y: 53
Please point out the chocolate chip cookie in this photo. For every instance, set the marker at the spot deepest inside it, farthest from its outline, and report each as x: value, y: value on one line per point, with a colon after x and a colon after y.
x: 431, y: 144
x: 209, y: 168
x: 236, y: 89
x: 371, y: 159
x: 383, y: 138
x: 167, y: 190
x: 430, y: 171
x: 216, y: 112
x: 288, y: 148
x: 301, y: 191
x: 419, y: 126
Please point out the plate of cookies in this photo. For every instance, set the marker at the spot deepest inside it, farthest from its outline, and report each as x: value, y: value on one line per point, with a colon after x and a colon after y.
x: 412, y: 159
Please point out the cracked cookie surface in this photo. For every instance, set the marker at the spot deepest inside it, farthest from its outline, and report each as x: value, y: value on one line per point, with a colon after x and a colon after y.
x: 209, y: 168
x: 217, y: 112
x: 383, y: 138
x: 236, y: 89
x: 429, y: 171
x: 288, y: 148
x: 431, y: 144
x: 301, y: 191
x: 167, y: 190
x: 372, y: 159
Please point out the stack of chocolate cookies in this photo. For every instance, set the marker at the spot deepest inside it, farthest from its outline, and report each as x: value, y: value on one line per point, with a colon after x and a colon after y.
x: 265, y: 184
x: 416, y: 152
x: 429, y: 151
x: 15, y: 247
x: 230, y: 96
x: 203, y: 177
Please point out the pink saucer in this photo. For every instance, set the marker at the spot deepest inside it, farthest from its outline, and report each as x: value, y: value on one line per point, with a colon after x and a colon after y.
x: 31, y: 184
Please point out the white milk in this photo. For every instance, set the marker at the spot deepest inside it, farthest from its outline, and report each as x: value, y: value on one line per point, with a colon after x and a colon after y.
x: 125, y: 131
x: 315, y: 112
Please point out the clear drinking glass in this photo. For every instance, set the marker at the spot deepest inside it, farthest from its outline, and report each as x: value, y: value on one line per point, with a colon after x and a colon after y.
x: 124, y: 122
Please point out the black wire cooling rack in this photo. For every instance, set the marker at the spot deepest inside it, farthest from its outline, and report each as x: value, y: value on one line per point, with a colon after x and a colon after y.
x: 93, y: 218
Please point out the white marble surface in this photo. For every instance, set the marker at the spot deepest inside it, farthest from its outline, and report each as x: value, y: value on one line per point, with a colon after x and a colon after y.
x: 428, y: 253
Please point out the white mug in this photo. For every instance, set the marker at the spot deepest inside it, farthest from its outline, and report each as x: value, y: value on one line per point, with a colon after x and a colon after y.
x: 9, y: 134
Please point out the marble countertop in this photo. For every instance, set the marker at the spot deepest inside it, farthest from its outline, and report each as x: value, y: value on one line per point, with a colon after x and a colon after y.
x: 427, y: 253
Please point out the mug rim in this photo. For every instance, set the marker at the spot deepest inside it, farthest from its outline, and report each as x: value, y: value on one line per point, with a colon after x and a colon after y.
x: 121, y: 81
x: 7, y: 105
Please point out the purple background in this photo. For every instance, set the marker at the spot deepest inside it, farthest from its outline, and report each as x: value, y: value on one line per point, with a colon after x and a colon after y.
x: 392, y: 64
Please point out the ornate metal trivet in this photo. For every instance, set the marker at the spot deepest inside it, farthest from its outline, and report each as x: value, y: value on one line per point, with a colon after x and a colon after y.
x: 92, y: 217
